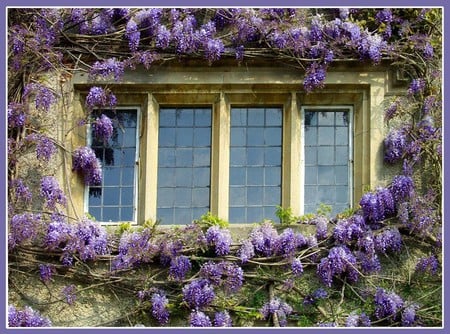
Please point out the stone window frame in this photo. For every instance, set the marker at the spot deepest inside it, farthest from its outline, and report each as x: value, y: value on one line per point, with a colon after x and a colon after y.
x: 363, y: 89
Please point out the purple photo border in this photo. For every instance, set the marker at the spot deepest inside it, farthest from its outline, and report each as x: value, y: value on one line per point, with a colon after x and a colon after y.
x: 194, y: 3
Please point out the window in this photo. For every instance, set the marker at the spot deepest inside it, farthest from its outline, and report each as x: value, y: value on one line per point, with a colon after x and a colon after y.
x: 327, y: 158
x: 255, y: 164
x: 115, y: 199
x: 184, y: 161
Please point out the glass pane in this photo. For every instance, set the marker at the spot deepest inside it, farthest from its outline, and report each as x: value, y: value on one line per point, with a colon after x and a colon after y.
x: 273, y: 116
x: 166, y: 157
x: 184, y: 157
x: 166, y: 197
x: 111, y: 214
x: 238, y: 196
x: 255, y: 156
x: 255, y: 116
x: 273, y: 156
x: 96, y: 213
x: 272, y: 196
x: 127, y: 196
x: 238, y: 176
x: 166, y: 177
x: 342, y: 195
x: 238, y: 117
x: 325, y: 118
x: 342, y: 118
x: 237, y: 215
x: 255, y: 176
x: 166, y: 137
x: 203, y: 117
x: 255, y: 195
x: 184, y: 137
x: 111, y: 196
x: 342, y: 155
x: 95, y: 196
x: 238, y: 156
x: 129, y: 137
x: 183, y: 216
x: 310, y: 118
x: 183, y: 197
x: 185, y: 117
x: 238, y: 136
x: 311, y: 155
x: 326, y: 194
x: 310, y: 195
x: 202, y: 137
x: 111, y: 176
x: 326, y: 175
x: 342, y: 136
x: 126, y: 213
x: 200, y: 197
x: 272, y: 136
x: 341, y: 174
x: 127, y: 176
x: 311, y: 136
x: 255, y: 215
x: 202, y: 157
x: 255, y: 137
x: 183, y: 177
x: 325, y: 155
x: 325, y: 136
x: 165, y: 215
x: 310, y: 175
x: 272, y: 176
x: 201, y: 177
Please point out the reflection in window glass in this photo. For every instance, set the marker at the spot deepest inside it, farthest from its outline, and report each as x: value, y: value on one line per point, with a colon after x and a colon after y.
x: 255, y: 164
x: 184, y: 161
x: 327, y: 151
x: 114, y: 199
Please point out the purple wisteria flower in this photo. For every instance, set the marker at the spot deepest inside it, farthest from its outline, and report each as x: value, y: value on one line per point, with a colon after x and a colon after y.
x: 179, y: 267
x: 52, y: 193
x: 85, y: 161
x: 416, y: 87
x: 199, y: 319
x: 46, y: 272
x: 214, y: 49
x: 369, y: 262
x: 21, y: 191
x: 99, y: 97
x: 45, y: 148
x: 106, y: 69
x: 265, y: 239
x: 159, y: 307
x: 220, y: 239
x: 16, y: 115
x: 163, y: 37
x: 26, y: 318
x: 223, y: 274
x: 22, y: 228
x: 199, y: 293
x: 390, y: 112
x: 348, y: 230
x: 428, y: 264
x: 357, y: 320
x: 297, y: 267
x: 133, y: 35
x: 402, y: 188
x: 69, y: 293
x: 428, y: 51
x: 314, y: 77
x: 321, y: 223
x: 103, y: 128
x: 247, y: 251
x: 135, y: 248
x: 339, y: 261
x: 384, y: 16
x: 286, y: 243
x: 315, y: 296
x: 44, y: 97
x: 222, y: 319
x: 395, y: 145
x: 388, y: 240
x: 387, y: 304
x: 409, y: 317
x: 278, y: 307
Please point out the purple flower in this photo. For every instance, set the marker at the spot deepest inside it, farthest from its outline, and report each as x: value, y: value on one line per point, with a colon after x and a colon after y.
x: 357, y: 320
x: 85, y: 161
x: 286, y: 243
x: 391, y: 111
x: 387, y: 304
x: 428, y: 265
x: 43, y: 96
x: 339, y: 261
x: 199, y: 293
x: 69, y: 293
x: 321, y: 223
x: 16, y: 115
x: 278, y: 307
x: 297, y: 267
x: 265, y: 239
x: 240, y: 52
x: 133, y: 34
x: 163, y: 37
x: 428, y: 51
x: 46, y: 271
x: 314, y: 77
x: 199, y: 319
x: 108, y: 68
x: 214, y: 49
x: 26, y: 318
x: 52, y: 193
x: 222, y: 319
x: 98, y: 97
x: 402, y: 188
x: 159, y: 307
x: 409, y: 315
x: 103, y: 128
x: 384, y: 16
x: 395, y: 145
x: 315, y: 296
x: 45, y: 148
x: 416, y: 87
x: 21, y: 191
x: 369, y: 262
x: 247, y: 251
x: 179, y: 267
x: 388, y: 240
x: 135, y: 248
x: 347, y: 230
x: 220, y: 239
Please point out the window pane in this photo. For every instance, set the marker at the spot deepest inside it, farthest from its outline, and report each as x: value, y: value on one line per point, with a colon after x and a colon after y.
x: 255, y: 164
x: 184, y: 170
x: 326, y: 159
x: 118, y: 158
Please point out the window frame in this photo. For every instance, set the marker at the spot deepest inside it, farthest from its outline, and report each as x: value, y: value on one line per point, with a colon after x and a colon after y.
x: 136, y: 177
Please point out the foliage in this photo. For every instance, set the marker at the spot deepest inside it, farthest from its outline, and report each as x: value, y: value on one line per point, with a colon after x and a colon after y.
x: 198, y: 272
